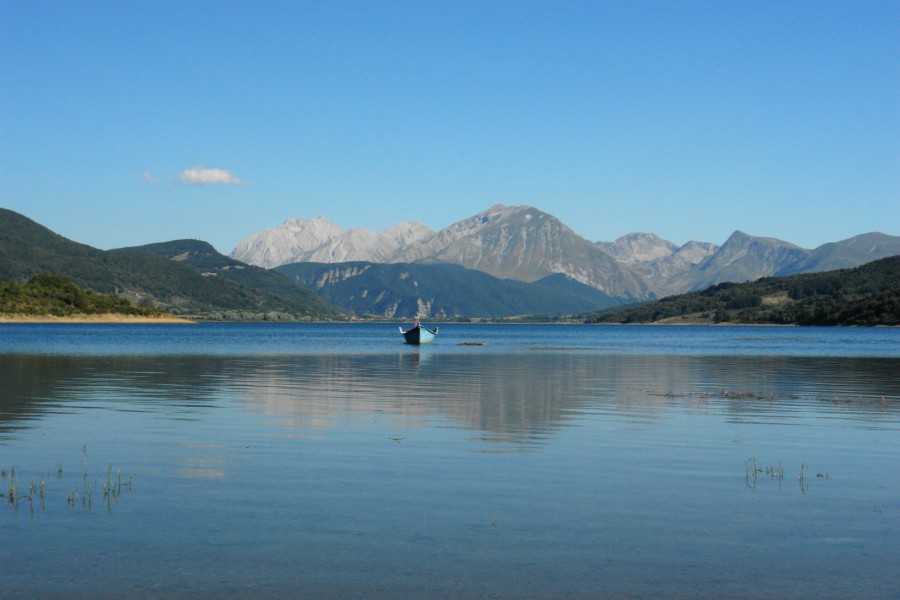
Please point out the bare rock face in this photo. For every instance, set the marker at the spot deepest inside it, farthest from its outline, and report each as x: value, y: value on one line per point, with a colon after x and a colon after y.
x: 280, y: 245
x: 320, y: 240
x: 639, y: 247
x: 693, y: 253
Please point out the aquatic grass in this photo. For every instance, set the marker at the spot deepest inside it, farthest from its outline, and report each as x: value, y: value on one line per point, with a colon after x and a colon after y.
x: 725, y: 394
x: 13, y: 486
x: 35, y: 489
x: 859, y: 400
x: 15, y: 496
x: 772, y: 397
x: 563, y: 348
x: 753, y: 471
x: 113, y: 488
x: 38, y: 491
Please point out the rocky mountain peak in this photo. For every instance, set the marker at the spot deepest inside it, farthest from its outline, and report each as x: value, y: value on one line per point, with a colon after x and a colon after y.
x: 742, y: 257
x: 320, y: 240
x: 408, y: 232
x: 759, y: 249
x: 639, y: 247
x: 693, y: 252
x: 525, y: 243
x: 279, y: 245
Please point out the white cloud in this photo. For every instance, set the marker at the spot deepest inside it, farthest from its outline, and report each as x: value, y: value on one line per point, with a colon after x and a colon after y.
x: 200, y: 175
x: 148, y: 177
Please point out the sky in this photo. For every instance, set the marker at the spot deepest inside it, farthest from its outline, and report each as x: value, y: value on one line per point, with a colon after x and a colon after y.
x: 127, y: 123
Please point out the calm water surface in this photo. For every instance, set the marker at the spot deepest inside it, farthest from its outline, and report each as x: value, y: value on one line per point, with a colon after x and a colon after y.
x: 553, y: 461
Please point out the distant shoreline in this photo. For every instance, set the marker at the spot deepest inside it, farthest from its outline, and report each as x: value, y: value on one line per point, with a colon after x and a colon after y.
x: 109, y: 318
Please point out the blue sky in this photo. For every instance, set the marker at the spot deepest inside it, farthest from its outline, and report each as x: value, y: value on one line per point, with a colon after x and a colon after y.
x: 127, y: 123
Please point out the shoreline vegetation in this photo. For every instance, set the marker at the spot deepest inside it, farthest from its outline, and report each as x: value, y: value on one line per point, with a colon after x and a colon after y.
x: 95, y: 318
x: 48, y: 298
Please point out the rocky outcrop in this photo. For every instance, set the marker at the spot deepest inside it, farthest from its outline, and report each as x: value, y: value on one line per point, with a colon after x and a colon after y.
x: 320, y: 240
x: 636, y: 247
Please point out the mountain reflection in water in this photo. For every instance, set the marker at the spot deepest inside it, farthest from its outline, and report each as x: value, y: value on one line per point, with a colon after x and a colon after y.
x: 519, y: 400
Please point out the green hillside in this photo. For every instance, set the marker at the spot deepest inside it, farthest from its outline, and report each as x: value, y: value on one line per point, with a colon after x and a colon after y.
x: 866, y: 295
x: 147, y: 279
x: 202, y: 257
x: 400, y: 290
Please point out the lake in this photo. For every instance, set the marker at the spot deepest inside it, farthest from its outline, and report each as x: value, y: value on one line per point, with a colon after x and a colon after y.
x: 333, y: 461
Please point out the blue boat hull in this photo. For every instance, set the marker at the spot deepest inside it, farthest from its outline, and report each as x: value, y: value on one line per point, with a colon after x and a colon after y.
x: 419, y: 335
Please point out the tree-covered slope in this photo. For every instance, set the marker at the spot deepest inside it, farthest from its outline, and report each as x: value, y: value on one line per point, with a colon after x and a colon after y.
x: 57, y: 295
x: 866, y: 295
x: 202, y: 257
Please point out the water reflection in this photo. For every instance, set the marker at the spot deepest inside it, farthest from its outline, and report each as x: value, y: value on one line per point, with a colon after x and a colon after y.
x: 520, y: 399
x: 463, y: 474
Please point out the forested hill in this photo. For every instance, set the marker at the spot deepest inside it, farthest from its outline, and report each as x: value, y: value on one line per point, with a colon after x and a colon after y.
x: 866, y: 295
x: 447, y: 290
x: 148, y: 279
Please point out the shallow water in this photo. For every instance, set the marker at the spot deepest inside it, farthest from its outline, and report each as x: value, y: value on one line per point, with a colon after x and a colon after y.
x: 333, y: 461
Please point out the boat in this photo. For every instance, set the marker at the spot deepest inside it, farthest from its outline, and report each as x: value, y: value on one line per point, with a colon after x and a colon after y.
x: 419, y: 334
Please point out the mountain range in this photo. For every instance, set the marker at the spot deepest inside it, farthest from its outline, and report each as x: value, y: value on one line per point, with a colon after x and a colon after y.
x: 506, y: 261
x: 525, y: 244
x: 520, y: 243
x: 189, y: 277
